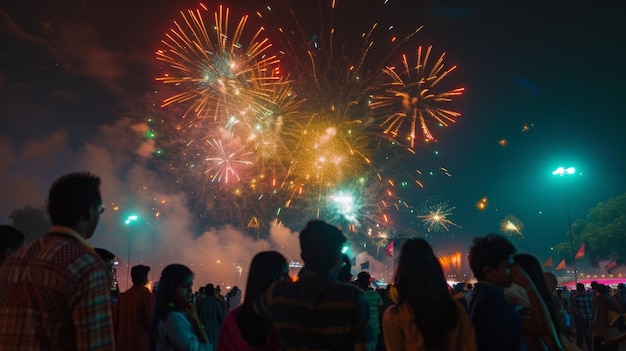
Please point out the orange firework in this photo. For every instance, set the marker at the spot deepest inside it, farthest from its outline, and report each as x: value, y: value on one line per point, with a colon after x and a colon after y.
x: 414, y: 95
x: 213, y: 67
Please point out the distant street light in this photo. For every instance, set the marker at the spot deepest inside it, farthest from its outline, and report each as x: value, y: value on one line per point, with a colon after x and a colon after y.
x: 128, y: 222
x: 561, y: 171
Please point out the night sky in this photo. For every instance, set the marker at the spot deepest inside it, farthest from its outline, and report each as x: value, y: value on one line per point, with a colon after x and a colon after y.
x: 77, y: 76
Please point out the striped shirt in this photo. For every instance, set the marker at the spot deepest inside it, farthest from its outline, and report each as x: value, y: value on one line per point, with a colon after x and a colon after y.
x: 316, y: 313
x: 375, y: 302
x: 54, y: 295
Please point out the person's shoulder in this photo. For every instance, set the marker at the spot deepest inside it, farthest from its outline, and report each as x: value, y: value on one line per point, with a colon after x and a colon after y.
x: 177, y: 318
x: 347, y: 287
x: 146, y: 292
x: 281, y: 287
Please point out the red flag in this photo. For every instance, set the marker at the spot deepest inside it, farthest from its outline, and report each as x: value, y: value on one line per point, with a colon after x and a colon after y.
x: 389, y: 250
x: 581, y: 252
x: 612, y: 264
x: 561, y: 265
x: 548, y: 262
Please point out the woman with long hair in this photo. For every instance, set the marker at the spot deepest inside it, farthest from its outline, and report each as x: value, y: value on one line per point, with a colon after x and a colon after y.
x: 425, y: 317
x: 175, y: 324
x: 243, y: 329
x: 532, y: 267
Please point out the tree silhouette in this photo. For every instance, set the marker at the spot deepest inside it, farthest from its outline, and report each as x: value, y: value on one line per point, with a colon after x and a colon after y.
x: 603, y: 232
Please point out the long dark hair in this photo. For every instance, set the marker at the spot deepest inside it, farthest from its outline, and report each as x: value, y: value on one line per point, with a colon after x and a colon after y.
x: 266, y: 268
x: 532, y: 267
x: 172, y: 276
x: 420, y: 283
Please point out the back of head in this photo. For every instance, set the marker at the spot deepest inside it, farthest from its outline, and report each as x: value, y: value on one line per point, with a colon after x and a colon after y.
x: 139, y: 274
x: 11, y: 239
x: 107, y: 256
x: 459, y: 287
x: 531, y: 266
x: 489, y: 251
x: 266, y: 268
x: 363, y: 280
x: 420, y: 282
x: 209, y: 289
x: 71, y: 195
x: 419, y: 271
x: 580, y: 287
x: 551, y: 281
x: 604, y: 289
x: 320, y: 245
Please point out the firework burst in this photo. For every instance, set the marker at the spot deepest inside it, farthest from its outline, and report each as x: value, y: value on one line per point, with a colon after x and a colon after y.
x: 281, y: 144
x: 215, y: 71
x: 435, y: 217
x: 413, y: 96
x: 224, y: 162
x: 512, y: 226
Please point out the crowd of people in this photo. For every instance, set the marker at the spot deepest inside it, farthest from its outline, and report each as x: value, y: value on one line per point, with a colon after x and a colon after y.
x: 55, y: 294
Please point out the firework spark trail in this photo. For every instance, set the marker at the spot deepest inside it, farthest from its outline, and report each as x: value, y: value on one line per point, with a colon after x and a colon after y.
x: 225, y: 161
x: 214, y: 69
x: 512, y: 226
x: 413, y: 94
x: 435, y: 218
x: 299, y: 134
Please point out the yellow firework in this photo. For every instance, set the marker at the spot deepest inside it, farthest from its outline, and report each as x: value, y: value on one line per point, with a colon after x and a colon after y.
x: 413, y: 99
x: 512, y: 226
x: 435, y: 217
x: 330, y: 150
x: 215, y: 70
x: 271, y: 131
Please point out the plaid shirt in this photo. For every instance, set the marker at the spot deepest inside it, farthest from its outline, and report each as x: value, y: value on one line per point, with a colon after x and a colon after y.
x: 581, y: 305
x: 316, y: 313
x: 54, y: 295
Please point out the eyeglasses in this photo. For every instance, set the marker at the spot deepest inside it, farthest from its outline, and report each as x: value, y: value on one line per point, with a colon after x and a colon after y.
x: 101, y: 209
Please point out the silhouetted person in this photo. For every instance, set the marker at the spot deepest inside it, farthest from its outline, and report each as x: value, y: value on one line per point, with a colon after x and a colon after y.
x: 498, y: 326
x: 133, y: 312
x: 375, y: 303
x: 582, y: 302
x: 318, y: 312
x: 109, y: 260
x: 233, y: 298
x: 11, y: 239
x: 55, y: 290
x: 425, y: 316
x: 175, y: 324
x: 243, y: 329
x: 211, y: 313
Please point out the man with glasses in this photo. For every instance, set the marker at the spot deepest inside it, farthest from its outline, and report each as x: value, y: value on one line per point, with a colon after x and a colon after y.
x: 54, y: 291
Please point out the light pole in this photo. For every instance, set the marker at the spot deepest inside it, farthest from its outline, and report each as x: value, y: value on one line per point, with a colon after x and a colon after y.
x: 128, y: 221
x: 561, y: 171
